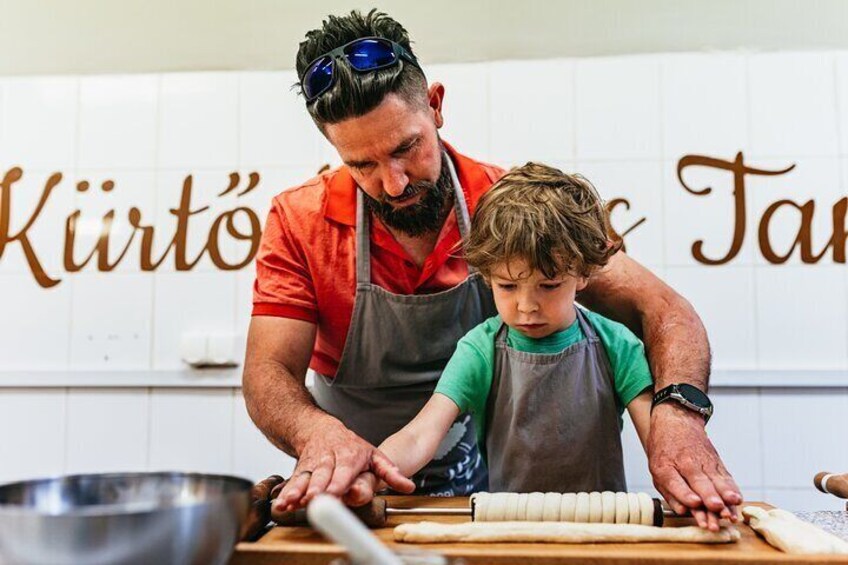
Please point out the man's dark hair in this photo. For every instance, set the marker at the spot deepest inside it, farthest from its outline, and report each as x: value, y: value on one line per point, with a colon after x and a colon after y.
x: 355, y: 94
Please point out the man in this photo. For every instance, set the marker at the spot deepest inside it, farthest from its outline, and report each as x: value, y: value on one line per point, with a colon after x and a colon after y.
x: 358, y: 277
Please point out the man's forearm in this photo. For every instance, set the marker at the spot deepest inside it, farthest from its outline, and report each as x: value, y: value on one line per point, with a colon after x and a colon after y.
x: 281, y: 406
x: 676, y: 342
x: 675, y: 339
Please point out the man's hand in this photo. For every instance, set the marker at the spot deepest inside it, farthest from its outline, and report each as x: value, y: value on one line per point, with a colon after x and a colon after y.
x: 330, y: 460
x: 686, y: 469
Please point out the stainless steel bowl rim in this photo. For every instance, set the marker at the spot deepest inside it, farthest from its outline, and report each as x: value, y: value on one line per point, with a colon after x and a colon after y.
x: 113, y: 509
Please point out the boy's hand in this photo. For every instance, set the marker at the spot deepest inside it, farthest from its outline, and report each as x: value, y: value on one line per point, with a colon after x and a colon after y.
x: 363, y: 490
x: 384, y: 469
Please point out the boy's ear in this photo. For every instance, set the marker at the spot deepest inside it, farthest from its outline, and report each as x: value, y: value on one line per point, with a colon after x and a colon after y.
x: 582, y: 282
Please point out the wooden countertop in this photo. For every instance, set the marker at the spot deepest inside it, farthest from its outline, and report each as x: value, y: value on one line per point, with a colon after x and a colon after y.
x: 304, y: 546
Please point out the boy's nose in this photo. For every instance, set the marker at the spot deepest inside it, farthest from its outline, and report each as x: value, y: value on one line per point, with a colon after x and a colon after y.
x: 527, y: 306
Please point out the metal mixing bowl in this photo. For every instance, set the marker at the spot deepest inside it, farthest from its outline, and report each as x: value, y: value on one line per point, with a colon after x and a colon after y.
x: 126, y: 518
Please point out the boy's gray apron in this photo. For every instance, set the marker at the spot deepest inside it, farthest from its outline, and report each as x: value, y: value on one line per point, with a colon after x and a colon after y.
x: 557, y: 426
x: 394, y: 353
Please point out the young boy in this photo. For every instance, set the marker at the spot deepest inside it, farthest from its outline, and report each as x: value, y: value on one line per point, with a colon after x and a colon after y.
x: 545, y: 381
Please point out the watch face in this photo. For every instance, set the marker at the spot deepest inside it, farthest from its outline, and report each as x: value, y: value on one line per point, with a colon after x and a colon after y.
x: 693, y: 395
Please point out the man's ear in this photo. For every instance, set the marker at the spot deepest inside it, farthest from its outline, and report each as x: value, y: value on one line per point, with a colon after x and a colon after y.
x: 435, y: 99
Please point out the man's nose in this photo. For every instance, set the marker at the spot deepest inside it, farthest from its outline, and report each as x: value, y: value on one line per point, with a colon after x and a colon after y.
x: 395, y: 181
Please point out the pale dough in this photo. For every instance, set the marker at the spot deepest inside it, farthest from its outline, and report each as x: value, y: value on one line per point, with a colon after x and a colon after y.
x: 535, y: 506
x: 567, y: 507
x: 497, y: 508
x: 622, y: 510
x: 511, y: 512
x: 556, y: 532
x: 581, y: 510
x: 590, y: 507
x: 634, y: 514
x: 608, y: 504
x: 646, y: 508
x: 521, y: 512
x: 550, y: 512
x: 790, y: 534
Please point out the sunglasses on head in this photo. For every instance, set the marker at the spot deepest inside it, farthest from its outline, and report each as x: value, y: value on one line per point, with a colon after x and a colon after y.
x: 362, y: 55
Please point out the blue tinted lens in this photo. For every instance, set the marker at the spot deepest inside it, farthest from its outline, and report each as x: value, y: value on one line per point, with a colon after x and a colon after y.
x: 369, y: 54
x: 319, y: 77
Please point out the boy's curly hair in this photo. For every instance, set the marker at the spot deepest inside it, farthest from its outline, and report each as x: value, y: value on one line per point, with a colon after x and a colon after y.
x: 554, y: 221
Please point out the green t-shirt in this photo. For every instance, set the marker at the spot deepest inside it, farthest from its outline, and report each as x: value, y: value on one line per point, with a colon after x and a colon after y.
x: 467, y: 378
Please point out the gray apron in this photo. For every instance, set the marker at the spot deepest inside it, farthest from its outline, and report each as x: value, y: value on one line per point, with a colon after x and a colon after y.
x: 557, y: 426
x: 395, y: 351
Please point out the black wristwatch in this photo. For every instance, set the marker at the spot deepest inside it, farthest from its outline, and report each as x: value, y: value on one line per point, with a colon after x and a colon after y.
x: 689, y: 396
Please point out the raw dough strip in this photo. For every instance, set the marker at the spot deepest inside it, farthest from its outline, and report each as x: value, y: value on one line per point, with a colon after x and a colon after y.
x: 586, y: 507
x: 790, y: 534
x: 556, y: 532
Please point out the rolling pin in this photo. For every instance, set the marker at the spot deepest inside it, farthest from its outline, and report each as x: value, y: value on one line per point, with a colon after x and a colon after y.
x: 836, y: 485
x: 376, y: 513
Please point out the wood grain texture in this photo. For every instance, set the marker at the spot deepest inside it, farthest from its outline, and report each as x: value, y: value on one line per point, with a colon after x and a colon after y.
x: 304, y: 546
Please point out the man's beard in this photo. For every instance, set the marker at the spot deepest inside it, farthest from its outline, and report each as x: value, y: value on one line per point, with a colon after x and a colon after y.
x: 426, y: 215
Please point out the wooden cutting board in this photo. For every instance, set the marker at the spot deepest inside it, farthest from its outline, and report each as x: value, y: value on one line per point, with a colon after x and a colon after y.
x: 304, y: 546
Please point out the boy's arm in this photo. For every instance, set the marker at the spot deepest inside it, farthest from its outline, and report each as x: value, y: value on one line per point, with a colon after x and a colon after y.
x: 640, y: 414
x: 415, y: 444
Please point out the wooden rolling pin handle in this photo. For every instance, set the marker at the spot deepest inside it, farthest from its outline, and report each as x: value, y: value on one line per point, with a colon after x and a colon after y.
x: 372, y: 515
x: 836, y: 485
x: 659, y: 515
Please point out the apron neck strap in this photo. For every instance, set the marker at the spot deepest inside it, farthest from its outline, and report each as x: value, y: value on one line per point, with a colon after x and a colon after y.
x: 588, y: 329
x: 363, y: 225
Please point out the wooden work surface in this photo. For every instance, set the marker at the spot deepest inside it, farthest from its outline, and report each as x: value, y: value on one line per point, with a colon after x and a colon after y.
x: 304, y: 546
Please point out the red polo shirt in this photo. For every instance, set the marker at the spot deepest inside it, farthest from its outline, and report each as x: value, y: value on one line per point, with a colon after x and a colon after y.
x: 305, y: 267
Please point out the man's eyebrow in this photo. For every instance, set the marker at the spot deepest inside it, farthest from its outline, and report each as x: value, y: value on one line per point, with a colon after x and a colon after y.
x: 399, y: 149
x: 357, y: 164
x: 405, y: 144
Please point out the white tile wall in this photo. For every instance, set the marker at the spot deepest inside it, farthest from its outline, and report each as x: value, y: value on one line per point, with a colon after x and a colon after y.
x: 108, y: 430
x: 32, y: 424
x: 465, y: 106
x: 704, y: 105
x: 198, y: 115
x: 189, y: 303
x: 532, y: 120
x: 792, y: 103
x: 724, y: 298
x: 624, y: 122
x: 111, y: 329
x: 274, y: 127
x: 640, y: 183
x: 191, y: 430
x: 40, y: 123
x: 797, y: 329
x: 803, y: 499
x: 802, y: 436
x: 35, y: 326
x: 618, y: 108
x: 736, y: 431
x: 842, y: 101
x: 118, y: 121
